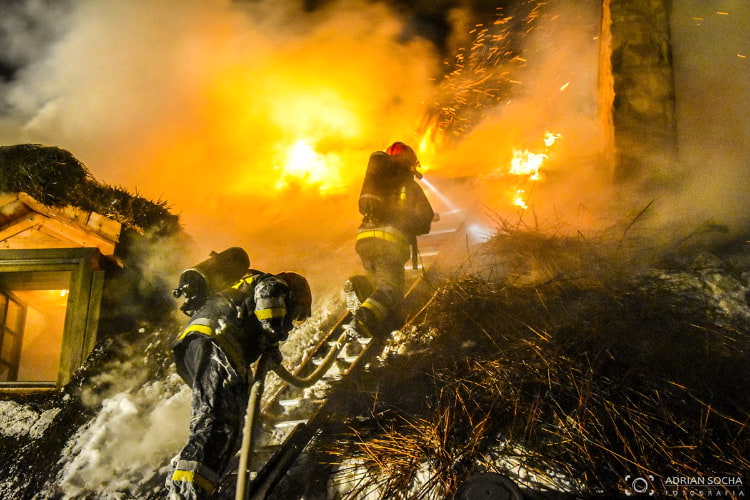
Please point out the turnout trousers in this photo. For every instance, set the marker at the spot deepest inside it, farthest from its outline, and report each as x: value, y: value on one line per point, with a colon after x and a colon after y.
x: 384, y: 261
x: 218, y: 408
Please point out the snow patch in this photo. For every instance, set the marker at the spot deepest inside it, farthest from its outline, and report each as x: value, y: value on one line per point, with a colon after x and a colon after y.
x: 20, y: 421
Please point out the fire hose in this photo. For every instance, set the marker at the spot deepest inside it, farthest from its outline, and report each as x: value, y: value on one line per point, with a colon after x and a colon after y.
x: 311, y: 379
x: 269, y: 474
x: 256, y: 393
x: 253, y: 403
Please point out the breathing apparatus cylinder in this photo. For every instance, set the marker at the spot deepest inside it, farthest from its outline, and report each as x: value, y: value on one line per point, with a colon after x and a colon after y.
x: 382, y: 179
x: 220, y: 270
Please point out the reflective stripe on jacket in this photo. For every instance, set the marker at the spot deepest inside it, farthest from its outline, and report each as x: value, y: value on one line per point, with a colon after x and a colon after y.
x: 268, y: 304
x: 386, y: 233
x: 226, y: 340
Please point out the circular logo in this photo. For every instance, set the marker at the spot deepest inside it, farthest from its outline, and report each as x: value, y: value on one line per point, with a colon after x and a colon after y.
x: 640, y: 485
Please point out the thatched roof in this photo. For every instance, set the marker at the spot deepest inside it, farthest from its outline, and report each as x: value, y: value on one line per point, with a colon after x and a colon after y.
x: 591, y: 372
x: 54, y: 177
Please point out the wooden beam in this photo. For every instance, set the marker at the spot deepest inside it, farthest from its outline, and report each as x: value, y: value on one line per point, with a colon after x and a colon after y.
x: 77, y: 236
x: 69, y: 225
x: 91, y: 221
x: 20, y: 226
x: 11, y: 210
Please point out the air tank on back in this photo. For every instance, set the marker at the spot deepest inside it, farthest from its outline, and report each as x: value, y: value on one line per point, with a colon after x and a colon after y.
x: 382, y: 179
x: 220, y: 270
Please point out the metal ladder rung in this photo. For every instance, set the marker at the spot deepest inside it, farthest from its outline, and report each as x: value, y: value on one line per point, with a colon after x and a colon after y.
x: 349, y: 358
x: 289, y: 423
x: 293, y: 402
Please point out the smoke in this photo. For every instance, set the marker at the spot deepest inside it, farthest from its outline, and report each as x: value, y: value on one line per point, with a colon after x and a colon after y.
x: 712, y: 79
x: 198, y: 103
x: 208, y: 105
x: 549, y: 84
x: 121, y: 449
x: 557, y: 89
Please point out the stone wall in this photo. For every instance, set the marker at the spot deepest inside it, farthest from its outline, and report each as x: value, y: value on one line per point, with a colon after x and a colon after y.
x: 643, y: 104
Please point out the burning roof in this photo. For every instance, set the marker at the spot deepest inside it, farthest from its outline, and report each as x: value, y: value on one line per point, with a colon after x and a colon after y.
x: 575, y: 368
x: 54, y: 177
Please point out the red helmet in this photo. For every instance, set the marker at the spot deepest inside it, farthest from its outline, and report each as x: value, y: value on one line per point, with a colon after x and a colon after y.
x: 406, y: 156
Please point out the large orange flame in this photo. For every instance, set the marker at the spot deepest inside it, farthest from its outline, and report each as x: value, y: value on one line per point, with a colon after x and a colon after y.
x: 304, y: 165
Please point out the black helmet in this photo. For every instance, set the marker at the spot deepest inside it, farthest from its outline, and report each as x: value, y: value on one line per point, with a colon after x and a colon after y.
x: 300, y: 295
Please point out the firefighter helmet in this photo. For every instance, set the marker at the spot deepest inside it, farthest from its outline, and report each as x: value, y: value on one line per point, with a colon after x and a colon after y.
x: 299, y: 294
x: 405, y: 156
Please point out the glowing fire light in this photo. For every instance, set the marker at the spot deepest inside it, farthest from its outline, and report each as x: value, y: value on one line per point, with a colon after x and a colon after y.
x: 518, y: 200
x: 527, y: 164
x: 428, y: 146
x: 304, y: 165
x: 550, y: 138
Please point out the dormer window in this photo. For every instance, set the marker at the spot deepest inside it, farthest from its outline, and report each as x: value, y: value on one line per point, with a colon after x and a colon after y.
x: 49, y: 310
x: 32, y: 322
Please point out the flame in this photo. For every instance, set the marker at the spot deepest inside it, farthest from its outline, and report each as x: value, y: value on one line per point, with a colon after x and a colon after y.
x: 428, y: 147
x: 526, y: 165
x: 518, y: 199
x: 304, y: 132
x: 271, y: 112
x: 304, y: 165
x: 550, y: 139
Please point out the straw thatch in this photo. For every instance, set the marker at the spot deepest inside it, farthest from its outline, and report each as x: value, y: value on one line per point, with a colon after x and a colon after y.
x: 54, y: 177
x: 569, y: 375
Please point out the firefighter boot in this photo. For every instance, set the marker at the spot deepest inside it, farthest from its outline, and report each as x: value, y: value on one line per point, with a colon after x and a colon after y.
x: 352, y: 300
x: 364, y: 322
x: 356, y: 289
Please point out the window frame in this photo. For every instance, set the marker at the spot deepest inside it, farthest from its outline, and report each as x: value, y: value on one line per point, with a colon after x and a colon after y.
x: 12, y: 331
x: 84, y: 302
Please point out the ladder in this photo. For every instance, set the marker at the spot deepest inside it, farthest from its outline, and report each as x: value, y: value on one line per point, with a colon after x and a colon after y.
x: 295, y: 414
x: 299, y: 419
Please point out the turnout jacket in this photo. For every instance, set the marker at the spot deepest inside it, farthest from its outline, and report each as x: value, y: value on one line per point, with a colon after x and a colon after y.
x: 393, y: 205
x: 244, y: 320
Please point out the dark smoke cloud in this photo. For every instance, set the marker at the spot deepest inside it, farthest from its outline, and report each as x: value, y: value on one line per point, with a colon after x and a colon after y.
x: 26, y: 30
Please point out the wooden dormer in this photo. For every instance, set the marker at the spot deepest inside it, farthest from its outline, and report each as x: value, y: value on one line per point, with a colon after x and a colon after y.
x: 26, y: 224
x: 52, y: 272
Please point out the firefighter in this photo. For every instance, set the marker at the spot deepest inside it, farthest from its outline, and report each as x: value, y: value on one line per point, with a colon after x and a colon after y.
x: 395, y: 211
x: 213, y: 353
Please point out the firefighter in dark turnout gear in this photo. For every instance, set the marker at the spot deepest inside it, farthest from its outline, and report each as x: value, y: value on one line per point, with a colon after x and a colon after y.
x: 395, y: 211
x: 213, y: 354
